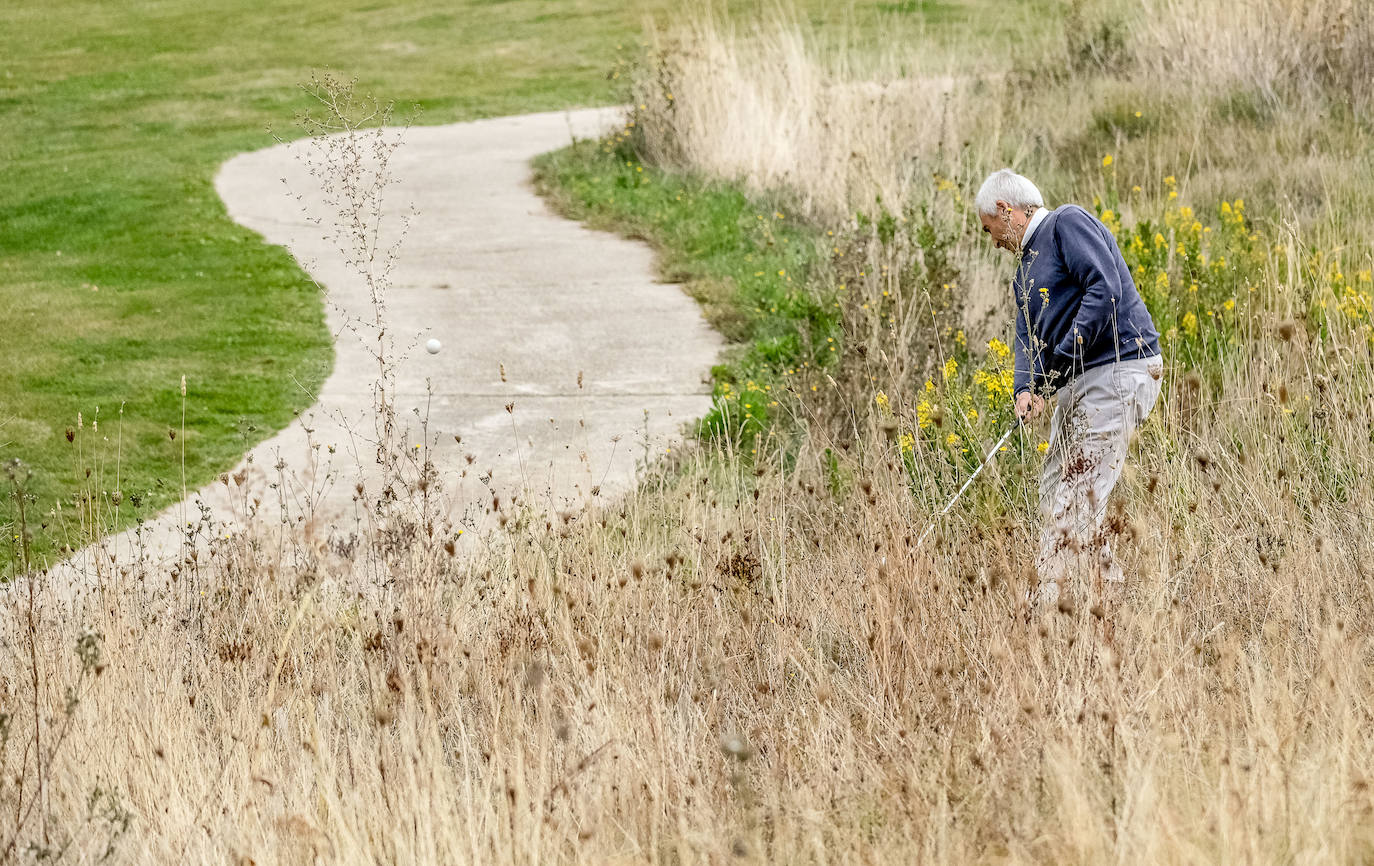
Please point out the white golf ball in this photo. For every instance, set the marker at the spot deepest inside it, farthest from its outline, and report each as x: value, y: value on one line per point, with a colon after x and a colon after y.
x: 433, y: 347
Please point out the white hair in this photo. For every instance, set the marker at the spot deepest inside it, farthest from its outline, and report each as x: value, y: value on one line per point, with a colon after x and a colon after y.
x: 1010, y: 187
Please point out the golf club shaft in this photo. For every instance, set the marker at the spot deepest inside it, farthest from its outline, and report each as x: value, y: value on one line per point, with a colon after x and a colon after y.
x: 971, y: 478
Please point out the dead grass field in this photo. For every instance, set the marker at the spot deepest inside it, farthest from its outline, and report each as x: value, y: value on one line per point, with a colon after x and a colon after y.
x: 748, y: 659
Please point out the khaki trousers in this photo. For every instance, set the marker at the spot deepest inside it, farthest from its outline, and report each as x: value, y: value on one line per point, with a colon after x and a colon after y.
x: 1090, y: 434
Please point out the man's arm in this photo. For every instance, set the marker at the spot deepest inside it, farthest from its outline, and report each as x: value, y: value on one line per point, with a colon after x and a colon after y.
x: 1091, y: 258
x: 1022, y: 376
x: 1026, y: 403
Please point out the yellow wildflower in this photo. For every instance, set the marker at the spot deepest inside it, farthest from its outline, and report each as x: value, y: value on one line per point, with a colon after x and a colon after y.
x: 997, y: 385
x: 924, y: 413
x: 906, y: 442
x: 1189, y: 324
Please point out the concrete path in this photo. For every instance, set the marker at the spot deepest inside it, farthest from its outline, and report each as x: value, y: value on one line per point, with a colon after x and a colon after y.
x: 596, y: 353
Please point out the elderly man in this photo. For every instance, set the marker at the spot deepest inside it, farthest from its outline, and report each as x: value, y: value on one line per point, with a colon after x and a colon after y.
x: 1083, y: 334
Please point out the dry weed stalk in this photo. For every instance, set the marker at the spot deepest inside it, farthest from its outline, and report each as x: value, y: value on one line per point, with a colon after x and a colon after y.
x: 350, y: 153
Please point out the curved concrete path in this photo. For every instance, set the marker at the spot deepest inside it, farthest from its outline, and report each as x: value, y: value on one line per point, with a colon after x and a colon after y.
x: 500, y: 280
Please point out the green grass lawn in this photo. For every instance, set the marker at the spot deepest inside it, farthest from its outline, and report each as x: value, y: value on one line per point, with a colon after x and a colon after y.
x: 119, y: 270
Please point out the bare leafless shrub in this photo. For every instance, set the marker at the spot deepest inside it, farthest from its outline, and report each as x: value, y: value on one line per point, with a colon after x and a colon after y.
x: 352, y: 144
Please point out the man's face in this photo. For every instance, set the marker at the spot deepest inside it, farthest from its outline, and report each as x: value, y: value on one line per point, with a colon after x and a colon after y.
x: 1006, y: 226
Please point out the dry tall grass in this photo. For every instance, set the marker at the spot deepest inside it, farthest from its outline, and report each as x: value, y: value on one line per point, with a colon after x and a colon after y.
x: 767, y: 108
x: 751, y: 661
x: 755, y: 666
x: 1287, y: 51
x: 1234, y: 97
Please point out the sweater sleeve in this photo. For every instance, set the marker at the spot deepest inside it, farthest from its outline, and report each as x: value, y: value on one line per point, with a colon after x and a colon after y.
x: 1090, y: 256
x: 1021, y: 352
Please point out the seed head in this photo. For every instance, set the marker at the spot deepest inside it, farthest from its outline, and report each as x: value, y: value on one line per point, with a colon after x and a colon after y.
x: 736, y: 747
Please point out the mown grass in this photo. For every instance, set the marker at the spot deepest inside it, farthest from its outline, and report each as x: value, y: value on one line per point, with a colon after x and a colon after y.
x: 119, y: 270
x: 122, y: 272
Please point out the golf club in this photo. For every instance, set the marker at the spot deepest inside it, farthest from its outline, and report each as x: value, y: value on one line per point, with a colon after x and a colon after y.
x: 986, y: 460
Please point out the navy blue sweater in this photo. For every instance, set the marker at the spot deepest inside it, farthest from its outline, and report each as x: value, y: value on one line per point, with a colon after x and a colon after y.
x: 1076, y: 304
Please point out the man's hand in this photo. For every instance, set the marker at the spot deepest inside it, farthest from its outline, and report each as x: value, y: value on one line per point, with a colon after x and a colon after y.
x: 1029, y: 406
